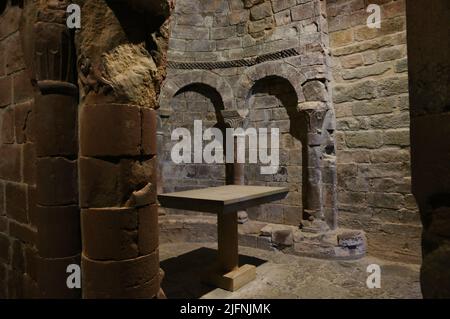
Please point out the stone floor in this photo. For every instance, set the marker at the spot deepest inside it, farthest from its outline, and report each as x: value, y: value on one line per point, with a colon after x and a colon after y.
x: 285, y: 276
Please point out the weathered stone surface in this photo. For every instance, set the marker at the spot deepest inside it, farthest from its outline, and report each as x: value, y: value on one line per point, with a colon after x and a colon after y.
x: 10, y: 159
x: 110, y: 184
x: 121, y: 233
x: 133, y: 278
x: 52, y: 277
x: 56, y: 125
x: 61, y: 222
x: 16, y: 202
x: 56, y: 181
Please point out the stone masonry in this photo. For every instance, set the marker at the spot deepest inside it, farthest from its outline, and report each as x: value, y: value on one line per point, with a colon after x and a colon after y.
x: 370, y: 95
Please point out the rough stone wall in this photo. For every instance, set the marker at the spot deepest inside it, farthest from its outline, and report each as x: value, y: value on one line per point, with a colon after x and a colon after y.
x: 18, y: 269
x: 270, y: 56
x: 370, y: 95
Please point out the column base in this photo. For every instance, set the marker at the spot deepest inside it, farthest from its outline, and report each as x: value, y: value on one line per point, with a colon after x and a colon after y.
x: 233, y: 280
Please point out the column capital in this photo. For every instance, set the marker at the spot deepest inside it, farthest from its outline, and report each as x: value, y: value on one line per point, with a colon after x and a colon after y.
x: 235, y: 118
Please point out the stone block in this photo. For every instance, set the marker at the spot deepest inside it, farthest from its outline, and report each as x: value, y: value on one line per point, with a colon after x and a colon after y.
x: 282, y: 5
x: 351, y: 61
x: 110, y: 130
x: 366, y: 71
x: 24, y: 122
x: 364, y: 139
x: 303, y: 11
x: 31, y: 256
x: 133, y: 278
x: 52, y: 277
x: 25, y: 233
x: 16, y: 202
x: 109, y: 184
x: 149, y: 128
x: 59, y: 233
x: 261, y: 11
x: 29, y: 163
x: 119, y: 233
x: 32, y: 205
x: 5, y: 253
x: 398, y: 137
x: 23, y: 89
x: 17, y: 257
x: 5, y: 91
x: 341, y: 38
x: 56, y: 125
x: 315, y: 91
x: 14, y: 53
x: 7, y: 130
x: 57, y: 182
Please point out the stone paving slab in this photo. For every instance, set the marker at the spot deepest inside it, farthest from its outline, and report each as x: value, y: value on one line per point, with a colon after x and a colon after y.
x: 286, y: 276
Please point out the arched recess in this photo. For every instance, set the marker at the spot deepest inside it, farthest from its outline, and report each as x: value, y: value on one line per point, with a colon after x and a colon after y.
x: 174, y: 84
x: 272, y: 103
x: 186, y: 98
x: 269, y: 69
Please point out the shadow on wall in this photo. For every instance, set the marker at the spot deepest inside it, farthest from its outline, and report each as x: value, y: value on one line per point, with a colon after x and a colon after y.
x: 184, y: 273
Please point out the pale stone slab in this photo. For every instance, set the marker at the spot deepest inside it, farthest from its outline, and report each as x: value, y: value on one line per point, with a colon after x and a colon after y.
x: 222, y: 199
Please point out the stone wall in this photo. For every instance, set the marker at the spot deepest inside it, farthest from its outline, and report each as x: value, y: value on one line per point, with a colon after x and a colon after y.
x: 268, y: 57
x: 370, y: 94
x: 17, y: 164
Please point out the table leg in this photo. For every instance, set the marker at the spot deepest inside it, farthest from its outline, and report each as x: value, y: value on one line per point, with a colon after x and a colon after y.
x: 227, y: 274
x: 227, y: 236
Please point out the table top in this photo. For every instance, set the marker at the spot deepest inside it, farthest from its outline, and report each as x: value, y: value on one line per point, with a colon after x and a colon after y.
x: 222, y: 199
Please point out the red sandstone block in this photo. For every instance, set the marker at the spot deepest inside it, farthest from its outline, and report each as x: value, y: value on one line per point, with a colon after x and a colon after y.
x: 59, y: 233
x: 24, y: 122
x: 119, y: 233
x: 10, y: 157
x: 5, y: 91
x: 149, y: 127
x: 22, y: 87
x: 132, y: 278
x: 110, y: 233
x: 56, y: 125
x: 29, y: 163
x: 56, y: 181
x: 7, y: 132
x: 16, y: 202
x: 109, y: 184
x: 148, y: 231
x: 110, y: 130
x: 52, y: 277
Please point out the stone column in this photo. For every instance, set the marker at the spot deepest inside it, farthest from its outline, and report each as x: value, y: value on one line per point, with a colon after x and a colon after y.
x: 56, y: 102
x: 428, y: 42
x: 233, y: 119
x: 120, y: 79
x: 313, y: 210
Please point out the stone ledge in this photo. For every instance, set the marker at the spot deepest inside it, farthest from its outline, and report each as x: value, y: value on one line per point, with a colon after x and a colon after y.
x: 340, y: 244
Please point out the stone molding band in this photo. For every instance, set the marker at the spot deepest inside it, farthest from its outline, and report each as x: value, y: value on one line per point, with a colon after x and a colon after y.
x: 233, y: 63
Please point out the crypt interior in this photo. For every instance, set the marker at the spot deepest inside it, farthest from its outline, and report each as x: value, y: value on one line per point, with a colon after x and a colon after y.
x: 86, y: 168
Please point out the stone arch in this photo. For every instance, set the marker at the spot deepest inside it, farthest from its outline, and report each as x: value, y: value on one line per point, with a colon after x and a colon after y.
x: 176, y: 83
x: 269, y: 69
